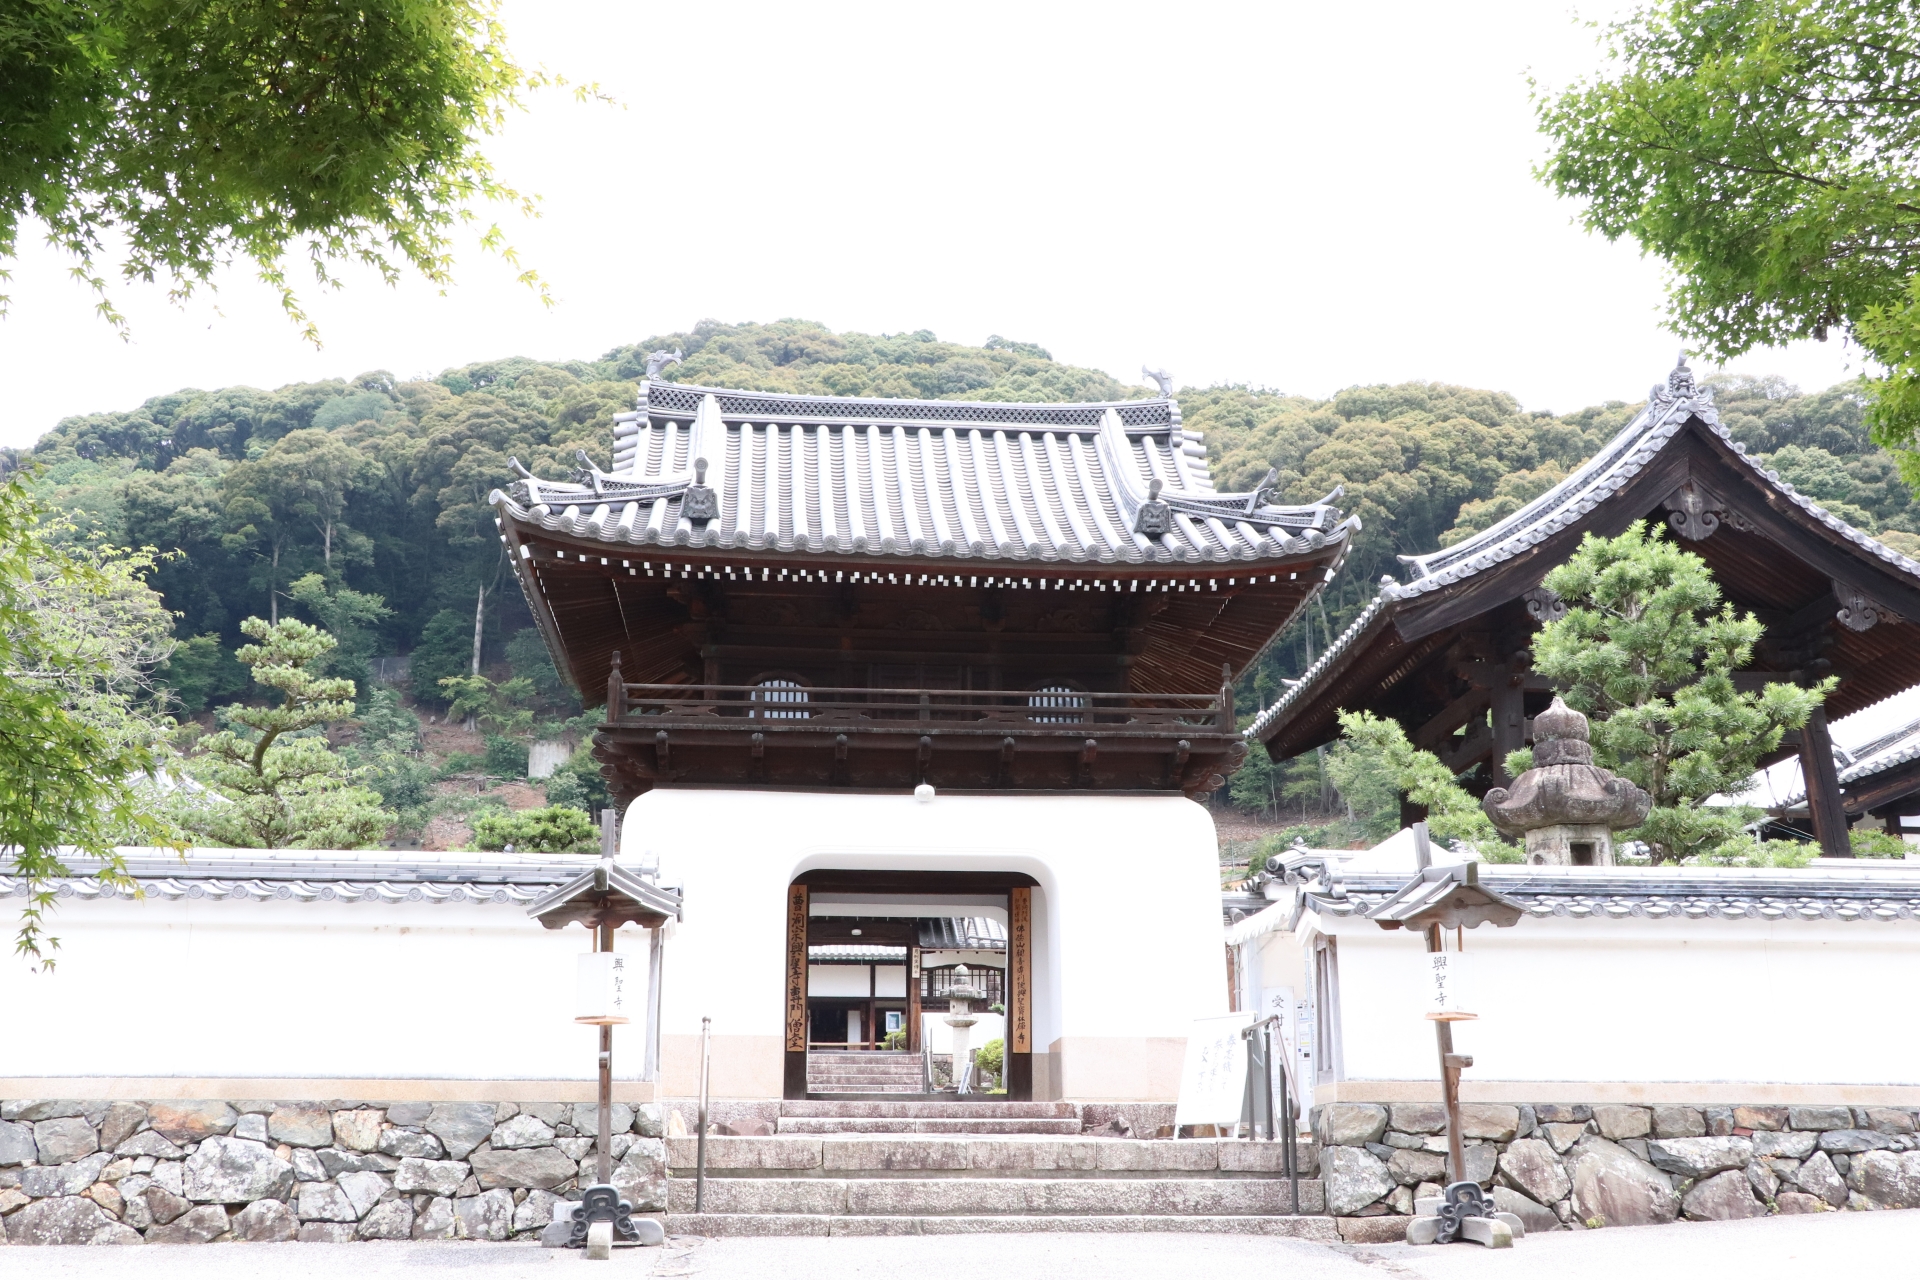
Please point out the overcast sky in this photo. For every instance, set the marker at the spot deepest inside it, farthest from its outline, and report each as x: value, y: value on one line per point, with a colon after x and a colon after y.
x: 1301, y: 196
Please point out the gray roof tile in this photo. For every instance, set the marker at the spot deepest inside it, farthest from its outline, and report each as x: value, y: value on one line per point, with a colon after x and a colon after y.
x: 1047, y: 482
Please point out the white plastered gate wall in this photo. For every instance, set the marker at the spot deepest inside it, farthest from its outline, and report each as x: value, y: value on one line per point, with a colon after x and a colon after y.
x: 1126, y: 919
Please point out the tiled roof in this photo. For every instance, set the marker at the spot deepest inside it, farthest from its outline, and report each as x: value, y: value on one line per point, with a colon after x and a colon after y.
x: 859, y: 953
x: 1669, y: 408
x: 297, y: 875
x: 1876, y: 757
x: 1623, y: 893
x: 962, y: 933
x: 1048, y: 482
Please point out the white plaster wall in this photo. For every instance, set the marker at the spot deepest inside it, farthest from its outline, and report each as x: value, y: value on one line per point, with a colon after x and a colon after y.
x: 1795, y: 1002
x: 839, y: 980
x: 1126, y: 919
x: 198, y: 987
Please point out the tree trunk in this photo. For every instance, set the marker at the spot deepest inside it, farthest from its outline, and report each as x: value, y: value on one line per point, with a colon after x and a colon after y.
x: 273, y: 587
x: 479, y: 625
x: 326, y: 545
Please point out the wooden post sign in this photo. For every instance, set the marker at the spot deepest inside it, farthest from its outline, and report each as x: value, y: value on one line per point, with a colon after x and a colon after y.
x: 1446, y: 986
x: 1020, y: 970
x: 604, y: 992
x: 797, y: 899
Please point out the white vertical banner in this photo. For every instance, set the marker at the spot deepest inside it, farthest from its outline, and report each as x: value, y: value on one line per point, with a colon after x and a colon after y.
x: 606, y: 988
x: 1446, y: 979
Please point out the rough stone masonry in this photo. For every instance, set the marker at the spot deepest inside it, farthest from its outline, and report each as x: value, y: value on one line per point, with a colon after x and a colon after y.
x: 1594, y: 1166
x: 76, y: 1172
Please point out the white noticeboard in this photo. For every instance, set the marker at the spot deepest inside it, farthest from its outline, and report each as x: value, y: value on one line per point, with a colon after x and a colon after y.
x: 604, y: 993
x: 1213, y: 1080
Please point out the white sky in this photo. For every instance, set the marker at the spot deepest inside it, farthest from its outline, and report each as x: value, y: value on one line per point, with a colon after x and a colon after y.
x: 1302, y: 196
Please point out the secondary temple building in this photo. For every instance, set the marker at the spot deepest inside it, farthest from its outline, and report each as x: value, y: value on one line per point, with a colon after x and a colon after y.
x: 878, y: 669
x: 1446, y: 653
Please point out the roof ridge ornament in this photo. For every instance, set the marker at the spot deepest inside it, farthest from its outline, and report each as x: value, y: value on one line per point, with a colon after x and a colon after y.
x: 659, y: 360
x: 701, y: 503
x: 1162, y: 379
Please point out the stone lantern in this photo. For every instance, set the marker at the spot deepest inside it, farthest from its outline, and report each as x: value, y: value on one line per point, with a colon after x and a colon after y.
x: 1566, y: 807
x: 960, y: 1016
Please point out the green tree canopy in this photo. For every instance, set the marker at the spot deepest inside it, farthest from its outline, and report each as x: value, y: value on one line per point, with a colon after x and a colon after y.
x: 278, y: 783
x: 195, y: 133
x: 1769, y: 152
x: 80, y: 635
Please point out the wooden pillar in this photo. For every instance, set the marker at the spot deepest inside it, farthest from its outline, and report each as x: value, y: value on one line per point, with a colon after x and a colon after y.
x: 1509, y: 725
x: 1019, y: 1043
x: 1824, y: 805
x: 913, y: 993
x: 796, y: 1065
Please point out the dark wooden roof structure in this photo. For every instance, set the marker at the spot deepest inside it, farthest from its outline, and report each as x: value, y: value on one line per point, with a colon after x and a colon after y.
x: 825, y: 591
x: 1880, y: 778
x: 1448, y: 650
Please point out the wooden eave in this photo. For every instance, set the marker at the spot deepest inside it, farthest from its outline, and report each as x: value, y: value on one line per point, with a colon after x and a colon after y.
x: 1387, y: 664
x: 1203, y: 617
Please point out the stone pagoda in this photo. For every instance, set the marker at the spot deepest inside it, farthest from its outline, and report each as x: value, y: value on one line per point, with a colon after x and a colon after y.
x: 1565, y: 806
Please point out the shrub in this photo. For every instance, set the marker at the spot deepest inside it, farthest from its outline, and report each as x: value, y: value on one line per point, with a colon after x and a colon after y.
x: 991, y: 1056
x: 1877, y: 844
x: 506, y: 757
x: 555, y: 829
x: 895, y: 1039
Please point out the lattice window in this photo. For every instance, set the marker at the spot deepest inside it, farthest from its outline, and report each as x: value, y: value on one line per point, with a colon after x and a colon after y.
x: 779, y: 699
x: 938, y: 984
x: 1063, y: 704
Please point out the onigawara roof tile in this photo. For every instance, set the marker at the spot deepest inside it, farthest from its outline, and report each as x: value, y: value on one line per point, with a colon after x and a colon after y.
x: 1669, y: 407
x: 1112, y: 482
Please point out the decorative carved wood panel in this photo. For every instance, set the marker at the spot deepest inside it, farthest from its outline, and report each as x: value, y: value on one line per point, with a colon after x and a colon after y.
x: 797, y: 897
x: 1020, y: 969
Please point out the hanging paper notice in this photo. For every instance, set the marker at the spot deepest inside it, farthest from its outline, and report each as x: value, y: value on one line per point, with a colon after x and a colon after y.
x: 1213, y: 1080
x: 604, y: 991
x: 1446, y: 993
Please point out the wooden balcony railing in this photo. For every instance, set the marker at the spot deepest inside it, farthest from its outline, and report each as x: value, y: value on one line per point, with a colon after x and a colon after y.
x: 791, y: 706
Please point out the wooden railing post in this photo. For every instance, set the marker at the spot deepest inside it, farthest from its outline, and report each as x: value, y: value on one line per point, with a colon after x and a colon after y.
x: 616, y: 691
x: 1226, y: 696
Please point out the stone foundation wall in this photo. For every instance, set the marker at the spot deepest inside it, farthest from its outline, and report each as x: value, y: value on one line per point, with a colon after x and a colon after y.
x: 77, y: 1172
x: 1590, y: 1166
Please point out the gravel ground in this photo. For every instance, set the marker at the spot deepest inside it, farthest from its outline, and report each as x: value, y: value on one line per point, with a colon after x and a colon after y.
x: 1877, y: 1244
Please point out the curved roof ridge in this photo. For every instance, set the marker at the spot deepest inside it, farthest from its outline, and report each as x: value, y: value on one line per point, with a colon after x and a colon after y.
x: 803, y: 397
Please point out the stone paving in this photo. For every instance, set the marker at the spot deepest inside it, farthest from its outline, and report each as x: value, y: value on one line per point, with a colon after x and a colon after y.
x: 1789, y: 1248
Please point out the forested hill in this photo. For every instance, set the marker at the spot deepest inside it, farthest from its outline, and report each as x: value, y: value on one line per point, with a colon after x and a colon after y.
x: 378, y: 486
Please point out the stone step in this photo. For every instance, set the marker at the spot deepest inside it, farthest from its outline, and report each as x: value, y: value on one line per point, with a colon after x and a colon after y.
x: 977, y: 1197
x: 1319, y: 1229
x: 925, y: 1109
x: 946, y: 1157
x: 828, y: 1124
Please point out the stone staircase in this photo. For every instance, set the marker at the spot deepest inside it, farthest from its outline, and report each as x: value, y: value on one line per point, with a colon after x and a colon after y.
x: 864, y: 1071
x: 943, y: 1116
x: 848, y: 1168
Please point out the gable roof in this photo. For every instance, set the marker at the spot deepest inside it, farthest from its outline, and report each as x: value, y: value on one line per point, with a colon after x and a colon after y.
x: 1674, y: 410
x: 925, y: 478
